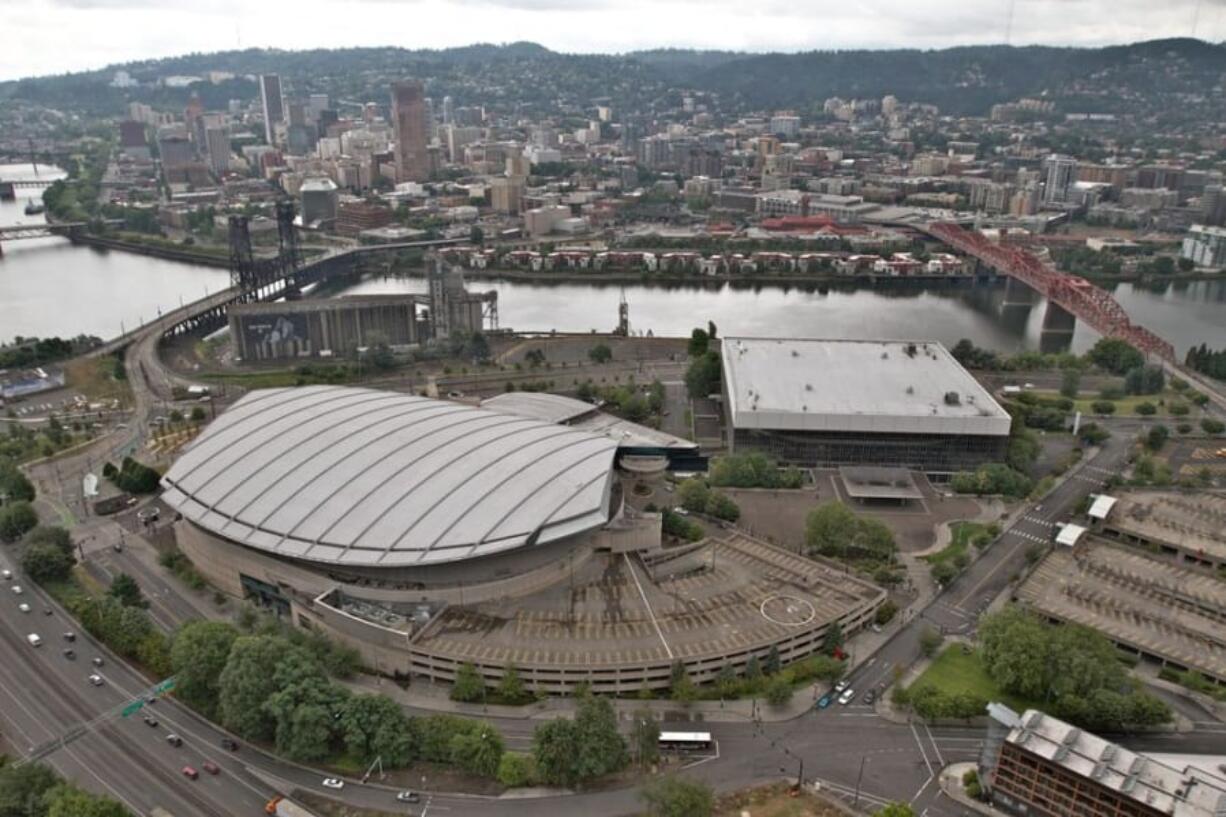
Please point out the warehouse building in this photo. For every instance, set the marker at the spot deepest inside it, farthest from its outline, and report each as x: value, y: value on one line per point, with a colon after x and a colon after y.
x: 430, y: 534
x: 832, y: 403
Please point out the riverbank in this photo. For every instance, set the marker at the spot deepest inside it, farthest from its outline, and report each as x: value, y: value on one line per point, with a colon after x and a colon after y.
x: 184, y: 255
x: 621, y: 278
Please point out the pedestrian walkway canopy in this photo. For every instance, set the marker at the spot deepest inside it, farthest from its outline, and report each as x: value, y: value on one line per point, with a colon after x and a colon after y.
x: 868, y: 482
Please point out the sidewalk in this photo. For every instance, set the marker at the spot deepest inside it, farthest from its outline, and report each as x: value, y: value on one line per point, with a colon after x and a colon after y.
x: 950, y: 781
x: 432, y: 697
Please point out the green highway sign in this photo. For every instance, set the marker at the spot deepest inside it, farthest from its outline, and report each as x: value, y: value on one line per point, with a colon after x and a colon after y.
x: 132, y: 707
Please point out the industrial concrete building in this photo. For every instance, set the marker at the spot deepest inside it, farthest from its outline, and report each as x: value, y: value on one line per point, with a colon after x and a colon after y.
x: 325, y: 328
x: 339, y: 327
x: 1039, y: 766
x: 429, y: 534
x: 829, y: 403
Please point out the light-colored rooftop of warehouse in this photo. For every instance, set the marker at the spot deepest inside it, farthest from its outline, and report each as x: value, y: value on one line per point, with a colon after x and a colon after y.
x: 356, y: 476
x: 879, y: 386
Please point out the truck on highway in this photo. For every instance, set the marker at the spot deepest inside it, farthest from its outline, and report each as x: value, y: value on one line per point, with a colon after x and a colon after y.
x: 281, y: 807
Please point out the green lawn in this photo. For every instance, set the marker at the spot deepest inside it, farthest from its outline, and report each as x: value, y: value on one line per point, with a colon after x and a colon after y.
x: 956, y: 671
x: 960, y: 542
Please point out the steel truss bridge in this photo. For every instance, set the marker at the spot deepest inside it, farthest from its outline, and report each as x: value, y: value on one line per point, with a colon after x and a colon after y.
x: 1072, y: 293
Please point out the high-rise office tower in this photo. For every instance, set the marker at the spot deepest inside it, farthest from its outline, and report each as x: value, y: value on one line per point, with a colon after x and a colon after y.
x: 412, y: 134
x: 448, y: 110
x: 274, y: 106
x: 218, y: 142
x: 1060, y: 172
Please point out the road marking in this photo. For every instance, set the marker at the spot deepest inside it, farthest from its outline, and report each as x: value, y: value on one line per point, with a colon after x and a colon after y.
x: 935, y: 748
x: 67, y: 750
x: 931, y: 777
x: 647, y: 604
x: 923, y: 754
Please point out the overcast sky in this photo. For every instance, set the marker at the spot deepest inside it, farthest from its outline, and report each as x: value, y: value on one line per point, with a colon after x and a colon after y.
x: 53, y: 36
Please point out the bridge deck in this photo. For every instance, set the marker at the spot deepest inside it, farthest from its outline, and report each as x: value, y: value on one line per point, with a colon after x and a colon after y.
x: 1073, y: 293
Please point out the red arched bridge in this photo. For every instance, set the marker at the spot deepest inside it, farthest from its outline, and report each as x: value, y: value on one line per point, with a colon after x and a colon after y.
x: 1072, y: 293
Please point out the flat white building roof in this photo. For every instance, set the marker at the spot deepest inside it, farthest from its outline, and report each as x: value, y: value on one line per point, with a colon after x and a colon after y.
x: 873, y: 386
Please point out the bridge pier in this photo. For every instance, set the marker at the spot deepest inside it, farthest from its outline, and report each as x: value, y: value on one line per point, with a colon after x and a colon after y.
x: 1057, y: 332
x: 1018, y: 294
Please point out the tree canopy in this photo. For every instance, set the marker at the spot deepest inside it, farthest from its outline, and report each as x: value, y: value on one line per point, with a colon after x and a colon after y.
x: 835, y: 530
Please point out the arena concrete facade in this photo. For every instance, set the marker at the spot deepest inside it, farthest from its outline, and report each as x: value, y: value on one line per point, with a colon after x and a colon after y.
x: 429, y: 534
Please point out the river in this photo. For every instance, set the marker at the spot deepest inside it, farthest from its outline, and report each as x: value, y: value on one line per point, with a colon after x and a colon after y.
x: 49, y: 287
x: 1187, y: 313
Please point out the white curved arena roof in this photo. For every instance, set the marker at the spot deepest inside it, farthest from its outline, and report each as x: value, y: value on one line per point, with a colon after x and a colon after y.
x: 353, y: 476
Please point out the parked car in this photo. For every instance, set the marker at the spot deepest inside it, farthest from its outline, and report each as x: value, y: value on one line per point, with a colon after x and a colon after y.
x: 841, y: 685
x: 823, y: 702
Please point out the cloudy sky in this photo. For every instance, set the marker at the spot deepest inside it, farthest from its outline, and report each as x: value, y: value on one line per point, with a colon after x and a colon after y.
x: 54, y: 36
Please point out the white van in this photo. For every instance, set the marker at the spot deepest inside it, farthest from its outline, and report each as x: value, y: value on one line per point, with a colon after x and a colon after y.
x: 34, y: 639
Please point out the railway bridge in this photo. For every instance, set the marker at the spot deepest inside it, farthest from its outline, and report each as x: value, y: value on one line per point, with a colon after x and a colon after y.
x: 1069, y: 297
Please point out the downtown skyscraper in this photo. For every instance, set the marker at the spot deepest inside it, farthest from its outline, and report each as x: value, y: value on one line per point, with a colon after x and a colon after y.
x: 274, y: 105
x: 411, y: 131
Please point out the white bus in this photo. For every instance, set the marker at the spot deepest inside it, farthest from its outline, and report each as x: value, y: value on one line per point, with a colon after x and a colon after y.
x: 684, y: 741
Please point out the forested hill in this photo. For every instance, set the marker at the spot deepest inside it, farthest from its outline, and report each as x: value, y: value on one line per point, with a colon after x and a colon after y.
x: 1138, y: 78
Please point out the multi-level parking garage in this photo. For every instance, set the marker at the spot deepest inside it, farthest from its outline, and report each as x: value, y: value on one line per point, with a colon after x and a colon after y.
x: 429, y: 534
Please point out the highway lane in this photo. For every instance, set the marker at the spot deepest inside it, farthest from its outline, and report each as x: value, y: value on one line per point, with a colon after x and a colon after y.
x: 43, y: 695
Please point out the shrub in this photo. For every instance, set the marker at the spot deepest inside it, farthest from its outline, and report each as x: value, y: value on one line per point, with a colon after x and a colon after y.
x: 1146, y: 409
x: 1212, y: 426
x: 886, y: 612
x: 16, y: 520
x: 1103, y: 407
x: 1178, y: 409
x: 516, y: 770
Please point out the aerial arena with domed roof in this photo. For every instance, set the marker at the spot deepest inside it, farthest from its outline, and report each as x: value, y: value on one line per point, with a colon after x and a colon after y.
x: 429, y: 534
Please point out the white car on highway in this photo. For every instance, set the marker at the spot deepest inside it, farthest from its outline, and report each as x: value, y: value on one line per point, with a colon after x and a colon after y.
x: 333, y: 783
x: 17, y: 589
x: 8, y: 574
x: 23, y: 607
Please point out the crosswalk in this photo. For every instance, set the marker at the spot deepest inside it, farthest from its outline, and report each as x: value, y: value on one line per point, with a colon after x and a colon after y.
x: 1030, y: 537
